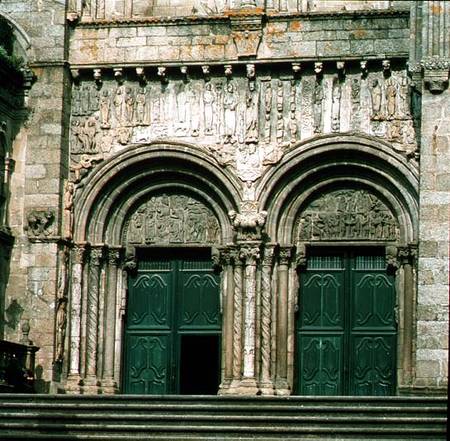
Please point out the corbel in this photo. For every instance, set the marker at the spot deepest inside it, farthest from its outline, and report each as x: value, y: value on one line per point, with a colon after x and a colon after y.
x: 140, y: 72
x: 436, y: 73
x: 251, y: 72
x: 246, y: 30
x: 300, y: 257
x: 118, y: 74
x: 184, y: 73
x: 228, y: 70
x: 98, y: 77
x: 386, y: 64
x: 391, y: 254
x: 340, y: 66
x: 162, y: 74
x: 296, y: 69
x: 363, y: 68
x: 318, y: 69
x: 75, y: 73
x: 206, y: 72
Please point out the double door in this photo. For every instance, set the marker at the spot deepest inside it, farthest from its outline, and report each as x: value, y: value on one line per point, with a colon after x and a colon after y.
x: 346, y: 330
x: 173, y: 324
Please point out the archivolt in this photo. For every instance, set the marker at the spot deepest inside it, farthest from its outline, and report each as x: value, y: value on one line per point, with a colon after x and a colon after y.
x: 337, y: 161
x: 132, y: 175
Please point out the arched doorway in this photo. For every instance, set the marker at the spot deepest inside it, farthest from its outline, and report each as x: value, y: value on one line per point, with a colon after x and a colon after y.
x: 343, y: 210
x: 146, y: 227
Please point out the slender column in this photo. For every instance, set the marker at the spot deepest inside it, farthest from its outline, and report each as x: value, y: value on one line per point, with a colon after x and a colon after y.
x: 250, y: 253
x: 237, y: 324
x: 78, y: 257
x: 266, y: 385
x: 281, y: 383
x: 109, y: 385
x: 92, y: 315
x: 407, y: 256
x: 226, y: 257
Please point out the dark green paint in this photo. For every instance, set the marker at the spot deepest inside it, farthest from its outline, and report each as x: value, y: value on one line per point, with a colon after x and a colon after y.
x: 173, y: 294
x: 346, y: 328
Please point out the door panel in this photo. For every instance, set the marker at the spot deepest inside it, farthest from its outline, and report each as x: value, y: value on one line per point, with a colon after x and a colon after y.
x: 173, y: 298
x: 346, y: 329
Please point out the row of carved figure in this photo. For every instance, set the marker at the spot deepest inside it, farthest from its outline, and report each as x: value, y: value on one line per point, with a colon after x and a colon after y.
x: 239, y: 111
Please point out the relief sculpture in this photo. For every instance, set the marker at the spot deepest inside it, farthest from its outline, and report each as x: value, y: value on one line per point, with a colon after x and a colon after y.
x: 347, y: 214
x: 174, y: 219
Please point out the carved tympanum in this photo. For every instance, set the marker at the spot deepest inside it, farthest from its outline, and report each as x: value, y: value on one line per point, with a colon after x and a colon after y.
x: 347, y: 214
x: 173, y: 218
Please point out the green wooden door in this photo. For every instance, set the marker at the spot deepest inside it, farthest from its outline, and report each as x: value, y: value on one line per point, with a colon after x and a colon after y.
x: 346, y: 326
x: 173, y: 325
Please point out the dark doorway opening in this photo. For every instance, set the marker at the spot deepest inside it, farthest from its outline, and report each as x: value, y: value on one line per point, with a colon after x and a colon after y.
x: 199, y: 364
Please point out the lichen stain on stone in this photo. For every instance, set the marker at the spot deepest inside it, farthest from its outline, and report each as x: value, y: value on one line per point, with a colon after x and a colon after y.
x: 359, y: 33
x: 295, y: 26
x: 436, y: 9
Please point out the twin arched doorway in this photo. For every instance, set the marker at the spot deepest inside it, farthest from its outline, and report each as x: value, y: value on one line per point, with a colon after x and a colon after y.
x: 288, y: 291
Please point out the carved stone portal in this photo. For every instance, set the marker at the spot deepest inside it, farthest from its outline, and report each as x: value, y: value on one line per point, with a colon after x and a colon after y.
x: 347, y: 214
x: 175, y: 219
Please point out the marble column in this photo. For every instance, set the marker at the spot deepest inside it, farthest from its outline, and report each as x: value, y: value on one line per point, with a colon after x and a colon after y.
x: 109, y: 385
x: 227, y: 255
x: 266, y: 384
x: 250, y: 254
x: 79, y: 253
x: 281, y: 381
x: 96, y: 259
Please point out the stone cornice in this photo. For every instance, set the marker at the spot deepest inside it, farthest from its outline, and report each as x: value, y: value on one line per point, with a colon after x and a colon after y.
x: 245, y: 14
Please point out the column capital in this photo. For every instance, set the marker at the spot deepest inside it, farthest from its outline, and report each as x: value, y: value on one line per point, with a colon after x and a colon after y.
x: 114, y: 255
x: 80, y: 252
x: 284, y: 255
x: 269, y: 254
x: 407, y: 254
x: 250, y: 253
x: 97, y: 254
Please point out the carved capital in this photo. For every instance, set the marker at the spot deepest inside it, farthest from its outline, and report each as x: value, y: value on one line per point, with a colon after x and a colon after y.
x: 269, y: 255
x: 227, y: 255
x: 391, y: 258
x: 407, y: 255
x: 130, y: 265
x: 284, y: 255
x: 436, y: 73
x: 300, y: 257
x: 97, y: 255
x: 248, y: 224
x: 114, y: 256
x: 250, y: 254
x: 79, y: 253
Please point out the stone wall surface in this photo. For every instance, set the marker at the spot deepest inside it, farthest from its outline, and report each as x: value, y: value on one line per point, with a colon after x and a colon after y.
x: 36, y: 185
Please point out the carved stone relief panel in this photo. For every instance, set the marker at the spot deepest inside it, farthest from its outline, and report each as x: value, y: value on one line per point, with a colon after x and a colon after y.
x: 347, y: 214
x: 172, y: 219
x: 244, y: 121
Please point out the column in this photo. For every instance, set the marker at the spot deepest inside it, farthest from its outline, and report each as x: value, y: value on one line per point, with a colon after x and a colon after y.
x: 407, y: 256
x: 250, y: 254
x: 109, y: 385
x: 78, y: 258
x: 237, y: 325
x: 281, y: 382
x: 266, y: 384
x: 226, y: 257
x: 96, y: 259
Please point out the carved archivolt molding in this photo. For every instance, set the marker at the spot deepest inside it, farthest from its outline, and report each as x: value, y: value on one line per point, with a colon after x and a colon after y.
x: 347, y: 214
x: 172, y: 219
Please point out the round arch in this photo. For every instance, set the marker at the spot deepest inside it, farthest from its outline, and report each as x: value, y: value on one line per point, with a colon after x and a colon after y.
x: 120, y: 183
x: 314, y: 166
x: 21, y: 41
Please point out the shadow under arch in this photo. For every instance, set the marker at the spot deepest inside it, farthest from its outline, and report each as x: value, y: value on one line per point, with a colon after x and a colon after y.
x: 21, y: 41
x: 130, y: 176
x: 339, y: 160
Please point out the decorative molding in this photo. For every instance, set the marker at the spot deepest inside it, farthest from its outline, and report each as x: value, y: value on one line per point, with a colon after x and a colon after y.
x: 436, y: 73
x: 248, y: 224
x: 40, y: 223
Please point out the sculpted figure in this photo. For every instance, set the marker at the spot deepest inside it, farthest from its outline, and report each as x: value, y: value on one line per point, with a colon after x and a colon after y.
x: 391, y: 95
x: 68, y: 209
x: 208, y: 106
x: 336, y: 106
x: 376, y: 99
x: 140, y: 107
x: 404, y: 96
x: 267, y: 111
x: 84, y: 97
x: 230, y: 104
x: 251, y: 115
x: 129, y: 106
x: 119, y: 104
x: 318, y: 105
x: 105, y: 106
x: 94, y: 98
x: 76, y: 100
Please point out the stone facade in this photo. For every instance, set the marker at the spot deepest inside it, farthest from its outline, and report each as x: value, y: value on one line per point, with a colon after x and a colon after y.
x: 259, y: 129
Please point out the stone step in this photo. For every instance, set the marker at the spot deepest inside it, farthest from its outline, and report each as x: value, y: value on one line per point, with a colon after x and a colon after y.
x: 222, y: 418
